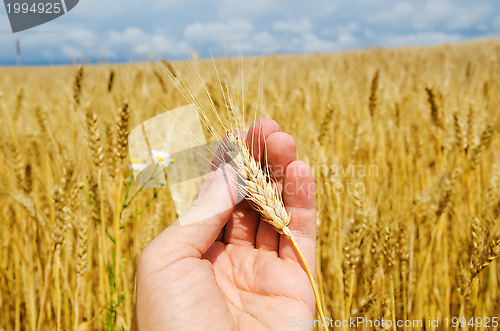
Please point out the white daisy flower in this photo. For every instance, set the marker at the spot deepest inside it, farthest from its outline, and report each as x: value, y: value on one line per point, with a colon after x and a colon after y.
x: 161, y: 158
x: 136, y: 165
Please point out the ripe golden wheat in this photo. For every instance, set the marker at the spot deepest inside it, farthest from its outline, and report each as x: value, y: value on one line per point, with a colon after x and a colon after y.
x: 403, y: 143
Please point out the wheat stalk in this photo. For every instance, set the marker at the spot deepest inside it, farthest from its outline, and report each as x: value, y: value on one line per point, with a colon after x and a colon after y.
x: 489, y: 255
x: 122, y: 131
x: 483, y: 145
x: 265, y: 199
x: 372, y: 105
x: 160, y: 81
x: 77, y: 85
x: 431, y: 99
x: 82, y: 263
x: 94, y: 138
x: 19, y: 104
x: 111, y: 80
x: 325, y: 128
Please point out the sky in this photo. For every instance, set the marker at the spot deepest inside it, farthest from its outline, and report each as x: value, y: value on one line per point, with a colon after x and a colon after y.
x: 143, y: 30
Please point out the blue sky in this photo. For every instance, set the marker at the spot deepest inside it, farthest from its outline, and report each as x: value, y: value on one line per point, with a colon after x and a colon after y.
x: 143, y: 30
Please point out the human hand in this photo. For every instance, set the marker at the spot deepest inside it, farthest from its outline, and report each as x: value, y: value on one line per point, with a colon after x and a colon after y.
x: 219, y: 266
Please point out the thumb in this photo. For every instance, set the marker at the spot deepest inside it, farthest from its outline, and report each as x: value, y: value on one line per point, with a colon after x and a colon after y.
x: 192, y: 234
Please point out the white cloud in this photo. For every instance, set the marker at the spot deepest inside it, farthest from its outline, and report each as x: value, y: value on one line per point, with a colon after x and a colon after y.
x: 112, y: 9
x: 166, y: 4
x: 347, y: 40
x: 260, y: 43
x: 233, y: 37
x: 433, y: 15
x: 346, y: 35
x: 450, y: 15
x: 149, y: 45
x: 349, y: 28
x: 127, y: 36
x: 373, y: 2
x: 85, y: 37
x: 72, y: 52
x: 237, y: 9
x: 100, y: 9
x: 218, y: 32
x: 39, y: 39
x: 401, y: 11
x: 469, y: 18
x: 310, y: 43
x: 82, y: 44
x: 159, y: 46
x: 301, y: 25
x: 73, y: 44
x: 437, y: 10
x: 422, y: 38
x: 80, y: 54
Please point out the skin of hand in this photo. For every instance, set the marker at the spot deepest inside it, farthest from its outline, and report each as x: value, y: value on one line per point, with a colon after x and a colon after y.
x: 220, y: 267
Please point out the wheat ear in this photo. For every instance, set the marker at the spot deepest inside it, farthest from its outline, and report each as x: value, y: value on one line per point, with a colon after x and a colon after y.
x: 265, y: 199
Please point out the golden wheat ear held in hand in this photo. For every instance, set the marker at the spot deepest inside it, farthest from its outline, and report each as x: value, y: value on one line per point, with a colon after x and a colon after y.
x: 265, y: 198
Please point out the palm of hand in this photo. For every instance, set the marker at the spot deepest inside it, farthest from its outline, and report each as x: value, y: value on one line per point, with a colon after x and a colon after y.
x: 233, y: 287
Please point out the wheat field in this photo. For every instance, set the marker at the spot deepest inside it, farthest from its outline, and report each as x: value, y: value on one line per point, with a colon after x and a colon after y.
x: 403, y: 143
